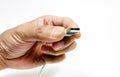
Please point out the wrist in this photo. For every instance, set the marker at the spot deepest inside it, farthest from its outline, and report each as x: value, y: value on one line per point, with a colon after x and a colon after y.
x: 1, y: 57
x: 1, y: 63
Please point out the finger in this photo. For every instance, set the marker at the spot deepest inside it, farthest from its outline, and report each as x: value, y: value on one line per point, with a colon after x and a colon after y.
x: 64, y: 43
x: 50, y: 51
x: 44, y: 33
x: 53, y: 59
x: 76, y: 35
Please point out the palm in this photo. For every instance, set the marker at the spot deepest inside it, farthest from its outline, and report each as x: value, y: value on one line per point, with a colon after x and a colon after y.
x: 28, y: 53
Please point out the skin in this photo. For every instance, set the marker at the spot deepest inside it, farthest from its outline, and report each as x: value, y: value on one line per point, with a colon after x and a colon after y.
x: 33, y: 43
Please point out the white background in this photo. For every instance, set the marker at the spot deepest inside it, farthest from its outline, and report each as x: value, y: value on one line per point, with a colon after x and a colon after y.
x: 98, y: 50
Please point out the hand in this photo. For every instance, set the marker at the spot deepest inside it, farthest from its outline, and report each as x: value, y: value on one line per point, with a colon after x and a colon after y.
x: 36, y: 42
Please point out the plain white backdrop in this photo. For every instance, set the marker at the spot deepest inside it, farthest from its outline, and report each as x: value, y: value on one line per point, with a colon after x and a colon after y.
x: 98, y: 50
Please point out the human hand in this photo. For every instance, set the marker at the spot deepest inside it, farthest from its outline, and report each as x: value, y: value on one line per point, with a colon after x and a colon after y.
x: 36, y: 42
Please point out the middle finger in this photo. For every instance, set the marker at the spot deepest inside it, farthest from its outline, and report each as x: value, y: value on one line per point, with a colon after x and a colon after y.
x: 64, y: 43
x: 50, y: 51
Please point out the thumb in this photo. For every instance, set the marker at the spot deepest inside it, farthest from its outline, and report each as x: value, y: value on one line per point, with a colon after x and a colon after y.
x: 45, y: 33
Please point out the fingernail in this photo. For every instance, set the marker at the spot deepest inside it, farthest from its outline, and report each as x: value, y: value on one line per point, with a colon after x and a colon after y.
x: 56, y: 32
x: 59, y: 45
